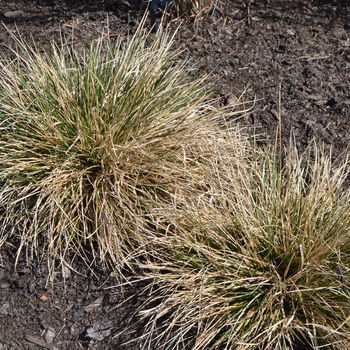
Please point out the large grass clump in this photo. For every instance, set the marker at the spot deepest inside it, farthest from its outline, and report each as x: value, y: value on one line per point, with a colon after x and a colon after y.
x: 263, y: 264
x: 92, y: 141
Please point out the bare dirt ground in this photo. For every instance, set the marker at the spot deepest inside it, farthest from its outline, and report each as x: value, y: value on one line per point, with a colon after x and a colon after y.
x: 292, y: 59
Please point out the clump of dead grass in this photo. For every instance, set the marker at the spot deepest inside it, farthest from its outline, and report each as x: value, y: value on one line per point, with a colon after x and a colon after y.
x: 262, y: 264
x: 92, y: 142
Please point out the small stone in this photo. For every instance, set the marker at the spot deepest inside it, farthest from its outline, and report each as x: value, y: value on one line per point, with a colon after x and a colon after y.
x: 97, y: 331
x: 4, y: 309
x: 49, y: 335
x: 72, y: 330
x: 66, y: 272
x: 13, y: 14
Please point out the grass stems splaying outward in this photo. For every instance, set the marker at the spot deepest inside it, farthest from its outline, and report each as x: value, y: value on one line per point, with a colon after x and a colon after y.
x: 264, y: 266
x: 91, y: 141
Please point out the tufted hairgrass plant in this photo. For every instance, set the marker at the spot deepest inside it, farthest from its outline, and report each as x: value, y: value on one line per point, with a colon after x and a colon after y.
x: 263, y: 266
x: 92, y: 141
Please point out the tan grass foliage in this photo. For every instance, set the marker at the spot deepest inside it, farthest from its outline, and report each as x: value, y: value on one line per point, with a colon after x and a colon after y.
x: 263, y: 266
x: 92, y: 142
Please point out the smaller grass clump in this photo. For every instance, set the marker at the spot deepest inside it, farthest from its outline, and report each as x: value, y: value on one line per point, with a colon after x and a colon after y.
x: 198, y: 7
x: 91, y: 142
x: 263, y: 265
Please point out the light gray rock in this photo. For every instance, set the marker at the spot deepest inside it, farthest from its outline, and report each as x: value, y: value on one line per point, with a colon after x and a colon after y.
x: 98, y: 331
x: 49, y: 335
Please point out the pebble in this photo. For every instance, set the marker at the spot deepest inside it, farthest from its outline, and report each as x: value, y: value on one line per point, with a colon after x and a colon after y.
x: 66, y: 272
x: 72, y: 330
x: 4, y: 308
x: 49, y: 335
x: 97, y: 331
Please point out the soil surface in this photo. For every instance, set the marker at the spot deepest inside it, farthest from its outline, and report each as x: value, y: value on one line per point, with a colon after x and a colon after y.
x: 292, y: 60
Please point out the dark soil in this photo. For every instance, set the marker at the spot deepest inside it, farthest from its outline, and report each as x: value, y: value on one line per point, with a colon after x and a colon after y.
x: 292, y: 60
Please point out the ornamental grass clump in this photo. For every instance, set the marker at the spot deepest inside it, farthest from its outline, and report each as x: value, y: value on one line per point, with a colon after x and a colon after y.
x: 199, y: 7
x: 91, y: 141
x: 265, y: 265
